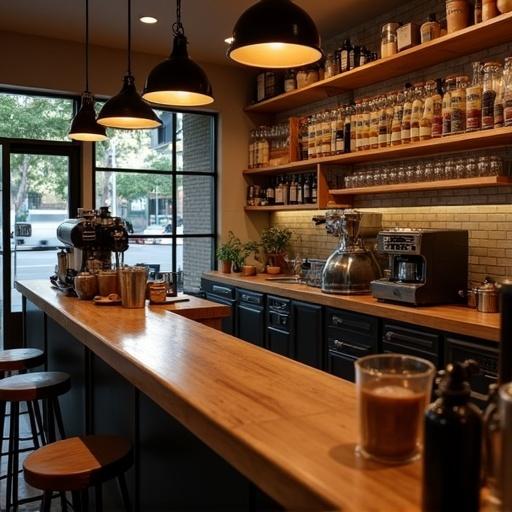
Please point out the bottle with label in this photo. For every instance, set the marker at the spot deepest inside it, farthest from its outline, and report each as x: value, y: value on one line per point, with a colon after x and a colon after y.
x: 406, y: 117
x: 499, y: 120
x: 307, y: 190
x: 293, y: 191
x: 458, y: 105
x: 251, y: 149
x: 300, y: 190
x: 319, y: 134
x: 396, y: 125
x: 340, y: 132
x: 389, y: 40
x: 375, y: 110
x: 453, y: 445
x: 507, y: 94
x: 383, y: 122
x: 474, y: 100
x: 428, y: 111
x: 457, y: 15
x: 365, y: 133
x: 353, y: 56
x: 417, y: 111
x: 359, y: 125
x: 311, y: 136
x: 286, y: 190
x: 437, y: 110
x: 334, y: 114
x: 270, y: 193
x: 349, y: 132
x: 430, y: 30
x: 279, y: 192
x: 314, y: 191
x: 345, y: 56
x: 490, y: 86
x: 390, y: 110
x: 447, y: 104
x: 326, y: 133
x: 303, y: 138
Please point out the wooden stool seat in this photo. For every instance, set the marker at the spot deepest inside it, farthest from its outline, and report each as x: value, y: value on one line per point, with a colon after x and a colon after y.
x: 34, y: 386
x: 77, y: 463
x: 20, y: 359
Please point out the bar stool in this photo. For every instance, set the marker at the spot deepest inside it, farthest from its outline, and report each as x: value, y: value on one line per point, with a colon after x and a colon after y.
x: 77, y: 464
x: 29, y: 388
x: 20, y: 360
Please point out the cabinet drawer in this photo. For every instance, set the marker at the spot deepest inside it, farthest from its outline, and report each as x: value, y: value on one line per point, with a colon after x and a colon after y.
x: 346, y: 348
x: 254, y: 298
x: 341, y: 366
x: 404, y: 338
x: 279, y: 342
x: 352, y: 328
x: 220, y: 290
x: 458, y: 350
x: 228, y: 322
x: 391, y: 348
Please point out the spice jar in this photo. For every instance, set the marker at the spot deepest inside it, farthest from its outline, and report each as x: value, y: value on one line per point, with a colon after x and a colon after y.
x: 428, y: 111
x: 490, y: 87
x: 417, y: 111
x: 437, y: 110
x: 499, y: 121
x: 457, y: 15
x: 406, y: 117
x: 396, y: 124
x: 430, y: 30
x: 389, y: 40
x: 301, y: 78
x: 458, y: 105
x: 158, y: 292
x: 329, y: 68
x: 374, y: 123
x: 474, y: 100
x: 489, y: 9
x: 447, y: 104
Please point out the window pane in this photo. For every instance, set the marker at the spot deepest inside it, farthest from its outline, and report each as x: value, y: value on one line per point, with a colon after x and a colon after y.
x: 195, y: 143
x: 138, y: 149
x: 196, y: 258
x: 144, y: 200
x: 150, y: 254
x: 195, y: 204
x: 35, y: 117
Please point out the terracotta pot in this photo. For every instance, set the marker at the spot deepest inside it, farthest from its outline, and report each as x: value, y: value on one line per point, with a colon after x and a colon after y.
x: 278, y: 260
x: 226, y: 267
x: 249, y: 270
x: 504, y: 5
x: 273, y: 270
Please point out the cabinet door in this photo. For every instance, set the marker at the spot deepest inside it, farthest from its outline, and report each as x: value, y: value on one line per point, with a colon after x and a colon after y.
x: 251, y: 324
x: 279, y: 342
x: 307, y: 331
x: 228, y: 323
x: 341, y: 365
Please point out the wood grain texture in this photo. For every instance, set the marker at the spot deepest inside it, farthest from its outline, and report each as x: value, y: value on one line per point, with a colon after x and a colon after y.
x: 289, y: 428
x: 450, y: 318
x: 463, y: 42
x: 34, y: 386
x: 20, y: 359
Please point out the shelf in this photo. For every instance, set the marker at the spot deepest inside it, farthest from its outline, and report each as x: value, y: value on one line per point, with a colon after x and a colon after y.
x: 287, y: 207
x: 487, y: 181
x: 464, y: 42
x: 452, y: 143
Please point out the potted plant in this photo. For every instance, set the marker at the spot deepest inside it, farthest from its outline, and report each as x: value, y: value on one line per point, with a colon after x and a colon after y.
x: 275, y: 241
x: 245, y: 251
x: 227, y: 252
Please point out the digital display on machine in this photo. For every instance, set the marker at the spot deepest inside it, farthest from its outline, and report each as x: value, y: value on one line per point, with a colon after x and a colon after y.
x: 399, y: 243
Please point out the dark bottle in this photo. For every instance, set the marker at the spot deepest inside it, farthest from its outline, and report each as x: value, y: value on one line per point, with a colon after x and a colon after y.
x: 354, y: 55
x: 307, y: 190
x: 270, y: 193
x: 345, y: 56
x: 453, y: 440
x: 300, y: 190
x: 293, y: 191
x: 314, y: 191
x: 347, y: 131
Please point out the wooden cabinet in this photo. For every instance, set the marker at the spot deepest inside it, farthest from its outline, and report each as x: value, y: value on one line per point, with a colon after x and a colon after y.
x: 222, y: 294
x: 250, y: 317
x: 307, y: 333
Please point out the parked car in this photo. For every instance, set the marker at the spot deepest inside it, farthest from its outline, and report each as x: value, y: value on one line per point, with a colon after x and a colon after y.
x: 44, y: 225
x: 157, y: 229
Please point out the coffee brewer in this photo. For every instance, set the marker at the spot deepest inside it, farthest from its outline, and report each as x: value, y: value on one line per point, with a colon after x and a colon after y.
x: 90, y: 240
x: 427, y: 266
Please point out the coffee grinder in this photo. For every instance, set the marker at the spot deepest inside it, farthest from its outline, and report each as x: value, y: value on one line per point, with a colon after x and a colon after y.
x: 427, y: 266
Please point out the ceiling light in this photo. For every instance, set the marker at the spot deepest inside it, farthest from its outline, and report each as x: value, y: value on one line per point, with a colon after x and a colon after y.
x: 149, y: 20
x: 84, y: 126
x: 275, y: 34
x: 178, y: 80
x: 127, y: 110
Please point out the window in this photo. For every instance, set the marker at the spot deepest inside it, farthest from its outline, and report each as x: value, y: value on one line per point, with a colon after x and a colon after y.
x: 163, y: 182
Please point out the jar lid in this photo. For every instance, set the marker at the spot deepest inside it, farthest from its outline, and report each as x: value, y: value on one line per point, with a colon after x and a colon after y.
x: 492, y: 64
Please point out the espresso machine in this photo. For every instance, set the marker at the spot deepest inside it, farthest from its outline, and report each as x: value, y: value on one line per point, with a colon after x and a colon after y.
x: 90, y: 240
x: 427, y: 266
x: 351, y: 267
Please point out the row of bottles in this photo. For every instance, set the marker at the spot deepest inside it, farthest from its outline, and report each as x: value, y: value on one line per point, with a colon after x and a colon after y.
x: 267, y: 142
x: 284, y: 190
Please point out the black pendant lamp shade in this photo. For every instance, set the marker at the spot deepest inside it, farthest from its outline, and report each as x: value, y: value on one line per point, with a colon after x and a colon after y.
x: 127, y: 110
x: 178, y: 80
x: 84, y: 126
x: 275, y: 34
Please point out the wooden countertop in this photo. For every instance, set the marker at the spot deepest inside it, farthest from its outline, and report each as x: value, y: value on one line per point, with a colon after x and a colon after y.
x: 451, y: 318
x: 289, y: 428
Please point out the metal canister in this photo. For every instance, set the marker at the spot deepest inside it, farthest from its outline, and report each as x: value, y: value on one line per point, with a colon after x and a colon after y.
x: 132, y: 284
x: 488, y: 297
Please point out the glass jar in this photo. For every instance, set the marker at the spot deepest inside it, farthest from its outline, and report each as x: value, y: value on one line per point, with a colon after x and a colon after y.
x: 392, y: 175
x: 457, y: 15
x: 330, y: 66
x: 484, y: 165
x: 490, y: 87
x: 401, y: 173
x: 474, y: 100
x: 417, y: 111
x: 447, y: 105
x: 290, y: 81
x: 507, y: 92
x: 428, y: 170
x: 460, y: 168
x: 439, y: 170
x: 496, y: 166
x: 458, y: 105
x: 410, y: 174
x: 383, y: 122
x: 389, y: 40
x: 428, y: 111
x: 365, y: 118
x: 301, y: 78
x: 406, y: 117
x: 499, y: 120
x: 396, y: 124
x: 437, y: 110
x: 471, y: 167
x: 419, y: 172
x: 489, y: 9
x: 449, y: 169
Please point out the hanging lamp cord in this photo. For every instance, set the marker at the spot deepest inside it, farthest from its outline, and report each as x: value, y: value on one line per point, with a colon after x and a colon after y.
x: 177, y: 27
x: 87, y: 46
x: 129, y: 36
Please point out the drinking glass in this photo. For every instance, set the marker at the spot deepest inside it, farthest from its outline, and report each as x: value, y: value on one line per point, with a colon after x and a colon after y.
x: 392, y: 393
x: 496, y: 166
x: 471, y: 168
x: 449, y: 168
x: 484, y: 165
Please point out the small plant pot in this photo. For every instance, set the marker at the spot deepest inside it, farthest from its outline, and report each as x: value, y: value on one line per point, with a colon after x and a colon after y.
x: 226, y: 267
x: 248, y: 270
x: 273, y: 270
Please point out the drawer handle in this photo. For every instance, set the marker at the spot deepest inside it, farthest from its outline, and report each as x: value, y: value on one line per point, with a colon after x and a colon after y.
x: 249, y: 299
x: 336, y: 320
x: 389, y: 336
x: 221, y: 290
x: 338, y: 344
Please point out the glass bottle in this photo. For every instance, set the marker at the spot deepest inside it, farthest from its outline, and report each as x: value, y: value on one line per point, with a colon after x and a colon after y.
x: 333, y: 116
x: 269, y: 193
x: 251, y: 149
x: 375, y: 109
x: 300, y: 190
x: 389, y: 40
x: 366, y: 115
x: 279, y: 192
x: 428, y: 111
x: 396, y: 125
x: 417, y: 111
x: 264, y: 146
x: 345, y: 56
x: 318, y: 134
x: 307, y: 190
x: 390, y: 110
x: 348, y: 136
x: 293, y: 191
x: 406, y: 117
x: 507, y: 94
x: 490, y: 86
x: 458, y: 105
x: 311, y: 137
x: 353, y: 56
x: 499, y: 120
x: 339, y: 143
x: 286, y: 189
x: 359, y: 125
x: 326, y: 133
x: 447, y: 105
x: 330, y: 66
x: 314, y: 191
x: 474, y: 100
x: 437, y: 110
x: 383, y: 122
x: 430, y: 30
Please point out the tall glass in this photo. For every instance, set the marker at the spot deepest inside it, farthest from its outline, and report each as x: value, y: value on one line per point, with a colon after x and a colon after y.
x: 392, y: 393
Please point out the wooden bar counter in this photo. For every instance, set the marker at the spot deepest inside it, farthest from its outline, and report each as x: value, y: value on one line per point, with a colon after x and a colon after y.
x: 288, y: 428
x: 450, y: 318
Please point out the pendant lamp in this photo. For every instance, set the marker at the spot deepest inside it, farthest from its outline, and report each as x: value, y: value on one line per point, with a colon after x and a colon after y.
x: 84, y: 126
x: 275, y: 34
x: 178, y: 80
x: 127, y: 110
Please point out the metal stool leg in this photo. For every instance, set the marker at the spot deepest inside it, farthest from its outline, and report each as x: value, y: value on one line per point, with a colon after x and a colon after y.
x: 98, y: 494
x: 58, y: 418
x: 33, y: 427
x: 77, y: 502
x: 2, y: 421
x: 39, y: 421
x: 47, y: 501
x: 123, y: 489
x: 51, y: 421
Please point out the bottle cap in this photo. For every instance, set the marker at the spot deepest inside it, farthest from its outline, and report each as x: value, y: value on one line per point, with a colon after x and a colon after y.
x: 454, y: 380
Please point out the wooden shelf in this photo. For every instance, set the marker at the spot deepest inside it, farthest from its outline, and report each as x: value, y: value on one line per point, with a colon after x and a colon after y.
x: 452, y: 143
x: 487, y: 181
x: 464, y: 42
x: 287, y: 207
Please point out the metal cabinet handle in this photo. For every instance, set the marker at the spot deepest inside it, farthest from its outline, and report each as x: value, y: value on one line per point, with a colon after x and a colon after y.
x: 336, y: 320
x: 221, y: 290
x: 343, y: 344
x: 250, y: 299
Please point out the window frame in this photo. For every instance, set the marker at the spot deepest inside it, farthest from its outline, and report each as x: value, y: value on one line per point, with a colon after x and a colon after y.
x: 174, y: 173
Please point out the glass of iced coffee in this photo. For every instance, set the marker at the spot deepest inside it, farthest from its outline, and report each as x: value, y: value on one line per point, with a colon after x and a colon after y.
x: 392, y: 393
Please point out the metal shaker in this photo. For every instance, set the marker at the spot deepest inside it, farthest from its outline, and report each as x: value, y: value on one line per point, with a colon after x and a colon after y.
x: 132, y: 285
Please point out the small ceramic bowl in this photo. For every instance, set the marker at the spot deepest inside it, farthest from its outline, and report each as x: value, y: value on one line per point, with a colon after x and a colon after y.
x: 273, y: 270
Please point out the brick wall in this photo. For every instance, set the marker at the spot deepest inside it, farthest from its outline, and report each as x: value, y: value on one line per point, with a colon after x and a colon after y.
x: 485, y: 212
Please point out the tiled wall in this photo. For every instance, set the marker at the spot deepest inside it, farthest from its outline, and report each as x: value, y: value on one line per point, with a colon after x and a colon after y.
x: 485, y: 212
